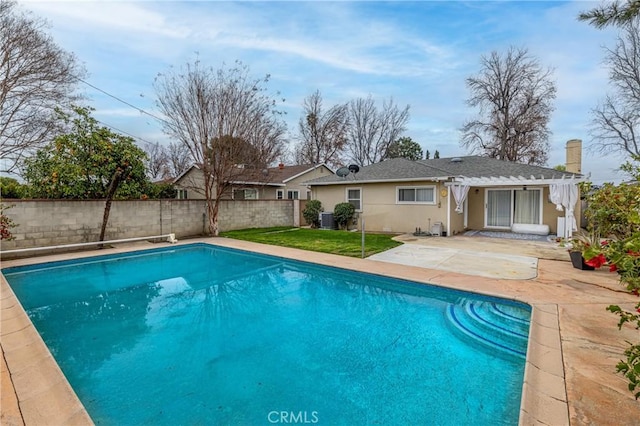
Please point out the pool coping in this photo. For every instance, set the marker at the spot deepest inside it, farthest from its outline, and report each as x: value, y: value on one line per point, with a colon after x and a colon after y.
x: 43, y: 395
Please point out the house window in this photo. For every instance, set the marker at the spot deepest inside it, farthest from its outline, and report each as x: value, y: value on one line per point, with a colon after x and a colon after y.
x: 245, y: 194
x: 293, y: 195
x: 416, y: 195
x: 354, y: 197
x: 181, y: 194
x: 308, y: 195
x: 279, y: 194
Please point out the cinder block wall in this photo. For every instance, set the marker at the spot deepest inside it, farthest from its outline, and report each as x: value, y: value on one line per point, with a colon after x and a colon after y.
x: 44, y: 223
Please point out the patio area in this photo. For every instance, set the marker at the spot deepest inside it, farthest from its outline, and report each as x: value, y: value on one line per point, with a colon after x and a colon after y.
x: 573, y: 347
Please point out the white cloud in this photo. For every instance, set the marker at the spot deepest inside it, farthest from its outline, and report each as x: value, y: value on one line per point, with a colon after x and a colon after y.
x: 419, y: 53
x: 115, y: 17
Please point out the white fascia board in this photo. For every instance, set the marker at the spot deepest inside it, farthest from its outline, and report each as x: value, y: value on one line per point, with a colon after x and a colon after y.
x: 354, y: 181
x: 241, y: 182
x: 306, y: 171
x: 515, y: 180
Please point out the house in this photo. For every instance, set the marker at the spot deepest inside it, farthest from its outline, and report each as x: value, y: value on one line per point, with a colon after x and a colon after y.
x: 447, y: 196
x: 280, y: 182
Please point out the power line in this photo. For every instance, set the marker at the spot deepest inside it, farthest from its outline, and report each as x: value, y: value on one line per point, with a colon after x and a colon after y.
x: 122, y: 100
x: 122, y: 131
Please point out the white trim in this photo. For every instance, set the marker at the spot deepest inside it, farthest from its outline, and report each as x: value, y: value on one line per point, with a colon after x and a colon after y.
x: 307, y: 171
x: 448, y: 224
x: 183, y: 174
x: 390, y: 180
x: 346, y: 196
x: 256, y: 183
x: 465, y: 223
x: 415, y: 188
x: 516, y: 180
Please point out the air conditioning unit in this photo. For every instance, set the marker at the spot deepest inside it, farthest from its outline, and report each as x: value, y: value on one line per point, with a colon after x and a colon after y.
x: 436, y: 229
x: 327, y: 221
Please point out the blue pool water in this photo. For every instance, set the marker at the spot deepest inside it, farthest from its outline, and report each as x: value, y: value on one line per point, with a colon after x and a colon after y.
x: 206, y: 335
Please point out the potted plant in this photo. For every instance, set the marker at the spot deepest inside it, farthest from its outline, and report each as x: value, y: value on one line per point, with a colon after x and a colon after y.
x: 581, y: 242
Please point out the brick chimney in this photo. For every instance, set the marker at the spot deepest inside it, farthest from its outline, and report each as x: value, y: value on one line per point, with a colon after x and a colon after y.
x: 574, y: 156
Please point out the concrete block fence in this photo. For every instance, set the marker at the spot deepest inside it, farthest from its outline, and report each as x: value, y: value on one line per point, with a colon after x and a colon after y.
x: 55, y: 222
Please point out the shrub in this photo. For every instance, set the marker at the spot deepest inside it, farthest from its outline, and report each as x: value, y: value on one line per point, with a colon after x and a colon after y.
x: 11, y: 188
x: 343, y: 214
x: 614, y: 210
x: 6, y: 224
x: 311, y: 213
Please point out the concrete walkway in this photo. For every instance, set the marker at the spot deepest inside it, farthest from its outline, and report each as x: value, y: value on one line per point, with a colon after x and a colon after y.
x: 574, y: 343
x: 479, y: 256
x: 485, y: 264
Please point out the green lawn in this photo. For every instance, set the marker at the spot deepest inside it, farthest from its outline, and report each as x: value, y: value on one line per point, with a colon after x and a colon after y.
x: 344, y: 243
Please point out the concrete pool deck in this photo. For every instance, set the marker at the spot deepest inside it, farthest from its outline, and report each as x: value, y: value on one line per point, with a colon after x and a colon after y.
x: 573, y: 347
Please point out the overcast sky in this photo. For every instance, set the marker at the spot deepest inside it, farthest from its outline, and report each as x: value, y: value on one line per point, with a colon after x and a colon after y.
x: 418, y: 53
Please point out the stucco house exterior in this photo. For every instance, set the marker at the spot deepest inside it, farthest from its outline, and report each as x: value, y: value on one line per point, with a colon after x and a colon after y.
x: 448, y: 196
x: 280, y: 182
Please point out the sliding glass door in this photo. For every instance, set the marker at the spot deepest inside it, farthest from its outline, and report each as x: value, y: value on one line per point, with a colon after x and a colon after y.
x: 527, y: 206
x: 505, y: 207
x: 498, y: 212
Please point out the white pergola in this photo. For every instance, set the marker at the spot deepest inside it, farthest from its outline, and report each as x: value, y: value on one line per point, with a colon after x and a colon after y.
x: 563, y: 192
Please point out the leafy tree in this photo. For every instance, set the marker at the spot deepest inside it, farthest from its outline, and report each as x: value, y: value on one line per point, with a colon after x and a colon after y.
x: 372, y: 130
x: 322, y: 134
x: 11, y: 188
x: 89, y: 162
x: 616, y: 13
x: 343, y: 214
x: 405, y: 148
x: 436, y: 154
x: 514, y: 95
x: 427, y: 155
x: 37, y: 76
x: 225, y: 119
x: 311, y: 213
x: 616, y: 121
x: 560, y: 167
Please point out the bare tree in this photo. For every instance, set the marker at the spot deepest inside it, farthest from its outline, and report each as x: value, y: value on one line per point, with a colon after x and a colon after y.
x: 178, y: 159
x: 617, y: 13
x: 322, y: 133
x: 372, y: 131
x: 227, y: 122
x: 156, y: 162
x: 616, y: 121
x: 514, y: 95
x: 169, y: 161
x: 37, y: 77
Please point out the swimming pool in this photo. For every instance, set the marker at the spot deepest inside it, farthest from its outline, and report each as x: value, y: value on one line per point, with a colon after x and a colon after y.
x: 201, y: 334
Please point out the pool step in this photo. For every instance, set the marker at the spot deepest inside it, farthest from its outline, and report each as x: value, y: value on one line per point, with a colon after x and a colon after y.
x: 499, y: 327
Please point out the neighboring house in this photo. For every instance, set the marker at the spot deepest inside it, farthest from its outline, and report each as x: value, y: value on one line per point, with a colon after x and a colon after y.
x: 281, y: 182
x: 450, y: 195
